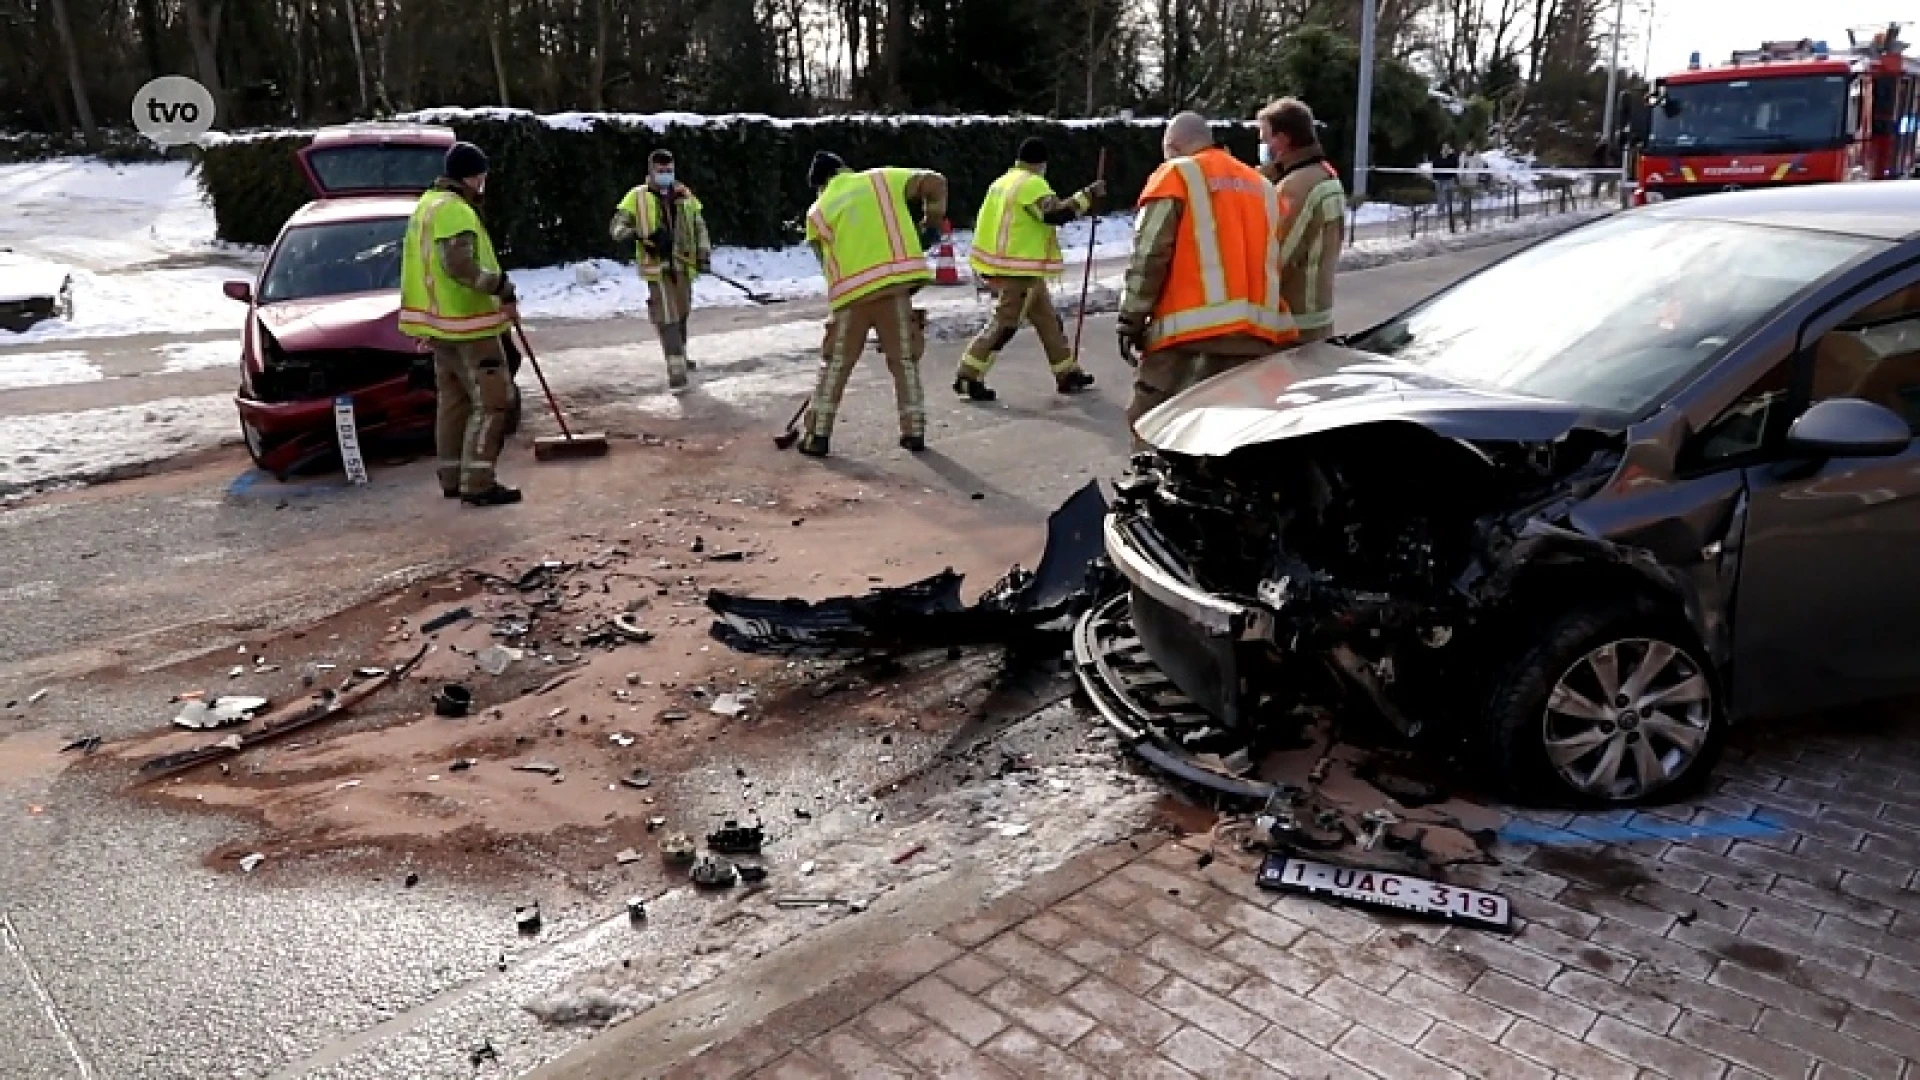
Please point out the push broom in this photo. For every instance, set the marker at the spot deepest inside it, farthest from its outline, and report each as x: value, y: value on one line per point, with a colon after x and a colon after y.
x: 566, y: 444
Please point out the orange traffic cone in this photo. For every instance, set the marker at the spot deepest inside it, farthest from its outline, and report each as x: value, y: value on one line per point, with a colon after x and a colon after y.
x: 945, y: 270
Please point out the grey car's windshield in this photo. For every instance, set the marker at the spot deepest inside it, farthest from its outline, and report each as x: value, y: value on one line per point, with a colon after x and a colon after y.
x: 1613, y: 316
x: 335, y: 259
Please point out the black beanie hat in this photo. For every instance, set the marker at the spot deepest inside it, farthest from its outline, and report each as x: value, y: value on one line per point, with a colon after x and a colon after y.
x: 1033, y: 152
x: 465, y: 161
x: 825, y: 165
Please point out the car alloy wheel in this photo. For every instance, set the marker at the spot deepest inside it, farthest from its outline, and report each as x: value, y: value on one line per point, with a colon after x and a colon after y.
x: 1628, y: 719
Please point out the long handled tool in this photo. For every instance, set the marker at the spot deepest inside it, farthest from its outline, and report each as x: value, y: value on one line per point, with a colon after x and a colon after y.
x: 791, y: 435
x: 566, y: 444
x: 1086, y: 279
x: 756, y: 297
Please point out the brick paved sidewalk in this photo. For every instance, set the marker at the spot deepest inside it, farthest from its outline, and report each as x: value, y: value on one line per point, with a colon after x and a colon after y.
x: 1790, y: 955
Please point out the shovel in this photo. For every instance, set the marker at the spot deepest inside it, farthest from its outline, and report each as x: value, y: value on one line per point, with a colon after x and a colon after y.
x: 566, y: 444
x: 756, y: 297
x: 791, y: 435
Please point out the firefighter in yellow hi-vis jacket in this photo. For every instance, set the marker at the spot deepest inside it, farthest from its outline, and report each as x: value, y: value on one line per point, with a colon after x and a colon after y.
x: 1016, y: 250
x: 664, y: 219
x: 874, y: 258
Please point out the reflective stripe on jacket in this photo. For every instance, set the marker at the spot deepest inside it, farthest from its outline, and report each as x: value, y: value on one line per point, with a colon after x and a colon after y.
x: 865, y: 236
x: 432, y: 303
x: 1313, y: 218
x: 1225, y: 275
x: 1010, y: 240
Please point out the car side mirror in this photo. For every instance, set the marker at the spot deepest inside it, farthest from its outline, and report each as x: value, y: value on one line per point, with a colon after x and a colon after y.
x: 1849, y: 428
x: 238, y: 290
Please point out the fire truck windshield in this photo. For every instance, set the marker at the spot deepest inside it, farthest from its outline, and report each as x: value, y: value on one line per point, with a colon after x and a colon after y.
x: 1778, y: 113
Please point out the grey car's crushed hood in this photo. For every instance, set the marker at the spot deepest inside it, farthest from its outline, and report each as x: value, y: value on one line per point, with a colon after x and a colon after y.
x: 1322, y: 387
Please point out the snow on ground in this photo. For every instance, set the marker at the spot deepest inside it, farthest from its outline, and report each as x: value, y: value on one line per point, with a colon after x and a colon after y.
x: 139, y: 239
x: 200, y: 355
x: 45, y: 369
x: 50, y: 448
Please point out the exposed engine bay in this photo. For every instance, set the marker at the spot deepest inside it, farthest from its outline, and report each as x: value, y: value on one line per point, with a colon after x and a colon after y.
x: 1376, y: 563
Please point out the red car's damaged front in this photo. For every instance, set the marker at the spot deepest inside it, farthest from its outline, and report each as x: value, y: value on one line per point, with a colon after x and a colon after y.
x: 324, y: 313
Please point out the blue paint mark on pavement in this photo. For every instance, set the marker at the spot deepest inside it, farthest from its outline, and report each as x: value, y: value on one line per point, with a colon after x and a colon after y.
x: 1609, y: 829
x: 254, y: 484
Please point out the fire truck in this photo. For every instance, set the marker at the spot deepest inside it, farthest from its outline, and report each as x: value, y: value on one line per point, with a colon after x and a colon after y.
x: 1789, y: 112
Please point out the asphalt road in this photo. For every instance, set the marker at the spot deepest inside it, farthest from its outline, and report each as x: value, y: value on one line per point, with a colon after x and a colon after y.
x: 121, y: 956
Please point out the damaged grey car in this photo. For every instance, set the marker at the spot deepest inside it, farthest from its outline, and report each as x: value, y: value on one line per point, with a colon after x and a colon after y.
x: 1574, y: 513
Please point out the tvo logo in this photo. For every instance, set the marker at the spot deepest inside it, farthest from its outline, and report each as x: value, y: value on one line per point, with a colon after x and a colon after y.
x: 173, y: 110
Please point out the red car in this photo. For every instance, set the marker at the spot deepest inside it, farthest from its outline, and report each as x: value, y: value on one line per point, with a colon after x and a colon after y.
x: 323, y: 318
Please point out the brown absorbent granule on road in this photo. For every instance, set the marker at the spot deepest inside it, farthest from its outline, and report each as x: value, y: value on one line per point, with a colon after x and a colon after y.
x: 588, y: 704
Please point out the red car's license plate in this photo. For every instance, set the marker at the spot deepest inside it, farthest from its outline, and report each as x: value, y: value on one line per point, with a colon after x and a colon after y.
x: 1401, y: 892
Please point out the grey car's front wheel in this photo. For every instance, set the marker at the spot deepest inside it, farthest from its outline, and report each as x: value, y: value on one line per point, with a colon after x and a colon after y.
x: 1607, y: 709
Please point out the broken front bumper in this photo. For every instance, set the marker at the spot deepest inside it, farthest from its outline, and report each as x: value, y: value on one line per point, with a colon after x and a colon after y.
x: 1195, y: 637
x: 1164, y: 664
x: 1153, y: 717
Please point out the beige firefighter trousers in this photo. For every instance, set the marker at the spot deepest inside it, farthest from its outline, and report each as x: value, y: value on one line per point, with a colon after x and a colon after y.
x: 902, y: 330
x: 669, y: 301
x: 1018, y: 299
x: 1161, y: 375
x: 475, y: 393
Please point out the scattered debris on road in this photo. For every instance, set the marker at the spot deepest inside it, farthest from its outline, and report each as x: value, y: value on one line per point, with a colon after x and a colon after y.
x: 221, y: 712
x: 526, y: 918
x: 453, y: 701
x: 86, y: 744
x: 249, y: 862
x: 446, y: 619
x: 732, y: 838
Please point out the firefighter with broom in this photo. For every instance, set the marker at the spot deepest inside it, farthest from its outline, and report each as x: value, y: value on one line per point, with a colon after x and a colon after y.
x: 663, y: 218
x: 874, y: 258
x: 455, y: 297
x: 1016, y: 251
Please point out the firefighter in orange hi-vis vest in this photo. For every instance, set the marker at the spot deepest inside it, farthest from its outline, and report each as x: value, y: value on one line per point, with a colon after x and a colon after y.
x: 1202, y: 293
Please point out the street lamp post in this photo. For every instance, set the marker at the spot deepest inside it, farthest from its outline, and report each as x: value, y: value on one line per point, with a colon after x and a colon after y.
x: 1363, y: 114
x: 1613, y: 69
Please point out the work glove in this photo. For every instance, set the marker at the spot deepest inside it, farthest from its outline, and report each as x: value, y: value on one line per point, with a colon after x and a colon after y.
x: 1095, y: 190
x: 420, y: 373
x: 704, y: 263
x: 929, y: 236
x: 656, y: 243
x: 624, y: 234
x: 1131, y: 340
x: 505, y: 292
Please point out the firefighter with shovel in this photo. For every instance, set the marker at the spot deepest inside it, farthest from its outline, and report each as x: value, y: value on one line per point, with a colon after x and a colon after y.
x: 663, y: 219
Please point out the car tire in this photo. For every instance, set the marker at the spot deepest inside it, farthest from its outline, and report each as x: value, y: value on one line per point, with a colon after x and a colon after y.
x: 257, y: 448
x: 1544, y: 729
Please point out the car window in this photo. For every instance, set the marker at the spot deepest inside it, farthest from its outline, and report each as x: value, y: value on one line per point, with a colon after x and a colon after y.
x: 1755, y: 421
x: 336, y: 259
x: 1874, y: 355
x: 1614, y: 316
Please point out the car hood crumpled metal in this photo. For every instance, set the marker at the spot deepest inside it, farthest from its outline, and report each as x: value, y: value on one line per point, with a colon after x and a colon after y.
x: 355, y: 321
x: 1322, y: 387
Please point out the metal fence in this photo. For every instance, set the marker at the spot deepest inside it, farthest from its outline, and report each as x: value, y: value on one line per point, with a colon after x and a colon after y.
x: 1455, y: 201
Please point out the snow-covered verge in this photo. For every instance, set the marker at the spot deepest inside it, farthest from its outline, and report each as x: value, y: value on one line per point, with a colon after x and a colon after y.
x: 137, y: 239
x: 993, y: 835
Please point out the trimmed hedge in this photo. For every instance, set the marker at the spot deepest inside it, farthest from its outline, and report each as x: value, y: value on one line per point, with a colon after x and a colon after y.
x: 555, y: 182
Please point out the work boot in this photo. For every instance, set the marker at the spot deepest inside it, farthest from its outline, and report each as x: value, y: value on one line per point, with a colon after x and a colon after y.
x: 450, y: 493
x: 913, y: 443
x: 814, y: 446
x: 677, y: 368
x: 973, y: 389
x: 497, y: 495
x: 1072, y: 382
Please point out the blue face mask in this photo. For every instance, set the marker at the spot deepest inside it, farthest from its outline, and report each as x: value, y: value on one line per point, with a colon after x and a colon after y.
x: 663, y: 180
